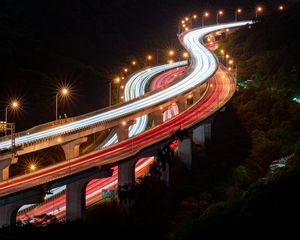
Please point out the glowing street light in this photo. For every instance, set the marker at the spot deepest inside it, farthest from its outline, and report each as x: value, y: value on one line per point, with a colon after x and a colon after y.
x: 14, y: 104
x: 32, y: 167
x: 171, y: 52
x: 280, y: 7
x: 237, y: 12
x: 64, y: 91
x: 185, y: 55
x: 219, y: 13
x: 258, y: 10
x: 205, y: 15
x: 133, y: 63
x: 125, y: 70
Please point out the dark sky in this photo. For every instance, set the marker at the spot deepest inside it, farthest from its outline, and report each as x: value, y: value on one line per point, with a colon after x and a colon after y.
x: 85, y: 43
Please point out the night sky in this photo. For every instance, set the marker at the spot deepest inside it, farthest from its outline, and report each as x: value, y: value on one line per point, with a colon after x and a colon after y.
x: 85, y: 44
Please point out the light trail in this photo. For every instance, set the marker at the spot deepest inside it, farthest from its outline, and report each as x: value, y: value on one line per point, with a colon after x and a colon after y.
x: 203, y: 65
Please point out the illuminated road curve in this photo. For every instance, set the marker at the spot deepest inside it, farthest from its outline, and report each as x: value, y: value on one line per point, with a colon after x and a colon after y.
x: 203, y: 65
x: 221, y: 90
x: 55, y: 203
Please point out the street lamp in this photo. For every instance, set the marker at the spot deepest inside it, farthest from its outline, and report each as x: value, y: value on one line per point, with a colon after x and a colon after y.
x: 205, y: 15
x: 64, y: 91
x: 237, y: 12
x: 258, y: 10
x: 219, y: 13
x: 13, y: 105
x: 280, y: 7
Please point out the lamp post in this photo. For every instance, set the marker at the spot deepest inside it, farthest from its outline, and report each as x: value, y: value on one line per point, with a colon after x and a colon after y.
x: 237, y: 12
x: 258, y: 10
x: 205, y: 15
x: 219, y: 13
x: 63, y: 92
x: 14, y: 105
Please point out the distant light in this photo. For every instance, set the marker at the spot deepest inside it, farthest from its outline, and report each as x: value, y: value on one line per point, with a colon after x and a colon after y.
x: 239, y: 10
x: 220, y: 12
x: 194, y: 16
x: 190, y: 96
x: 122, y: 86
x: 15, y: 104
x: 186, y: 29
x: 126, y: 70
x: 206, y: 14
x: 281, y: 7
x: 222, y: 51
x: 259, y: 9
x: 211, y: 85
x: 230, y: 61
x: 186, y: 19
x: 64, y: 91
x: 149, y: 57
x: 161, y: 108
x: 182, y: 21
x: 122, y: 97
x: 296, y: 99
x: 124, y: 123
x: 229, y: 69
x: 32, y: 167
x: 133, y: 63
x: 117, y: 80
x: 185, y: 55
x: 227, y: 56
x: 171, y: 52
x: 171, y: 61
x: 59, y: 139
x: 227, y: 30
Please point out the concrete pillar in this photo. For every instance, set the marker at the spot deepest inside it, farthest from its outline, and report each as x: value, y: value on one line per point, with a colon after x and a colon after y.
x: 76, y: 195
x: 126, y: 173
x: 157, y: 117
x: 196, y: 94
x: 207, y: 132
x: 181, y: 105
x: 71, y: 149
x: 5, y: 162
x: 166, y: 175
x: 185, y: 152
x: 199, y: 135
x: 8, y: 211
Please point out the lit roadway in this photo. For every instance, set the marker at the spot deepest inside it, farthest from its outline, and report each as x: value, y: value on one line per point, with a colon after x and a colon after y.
x: 55, y: 204
x: 203, y: 65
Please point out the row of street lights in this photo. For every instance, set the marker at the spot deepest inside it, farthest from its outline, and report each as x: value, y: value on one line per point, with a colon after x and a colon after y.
x: 187, y: 22
x: 15, y: 104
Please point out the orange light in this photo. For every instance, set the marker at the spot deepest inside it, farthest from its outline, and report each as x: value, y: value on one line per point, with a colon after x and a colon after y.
x: 185, y: 55
x: 259, y: 9
x: 124, y: 123
x: 171, y: 52
x: 220, y: 12
x: 206, y: 14
x: 126, y: 70
x: 239, y: 10
x: 133, y: 63
x: 149, y: 57
x: 186, y: 19
x: 194, y: 16
x: 281, y: 7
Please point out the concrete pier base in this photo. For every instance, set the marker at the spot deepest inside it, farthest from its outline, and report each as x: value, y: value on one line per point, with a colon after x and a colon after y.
x: 71, y: 149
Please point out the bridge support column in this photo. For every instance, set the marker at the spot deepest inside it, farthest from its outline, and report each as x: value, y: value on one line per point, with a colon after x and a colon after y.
x: 207, y: 132
x: 185, y: 152
x: 181, y: 104
x: 166, y: 175
x: 123, y: 129
x: 71, y: 149
x: 8, y: 211
x: 157, y: 117
x: 76, y: 195
x: 5, y: 162
x: 199, y: 135
x: 126, y: 172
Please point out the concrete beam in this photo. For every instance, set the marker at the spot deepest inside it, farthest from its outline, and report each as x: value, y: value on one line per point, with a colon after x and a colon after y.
x: 5, y: 162
x: 8, y: 212
x: 185, y: 152
x: 76, y: 195
x: 71, y: 149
